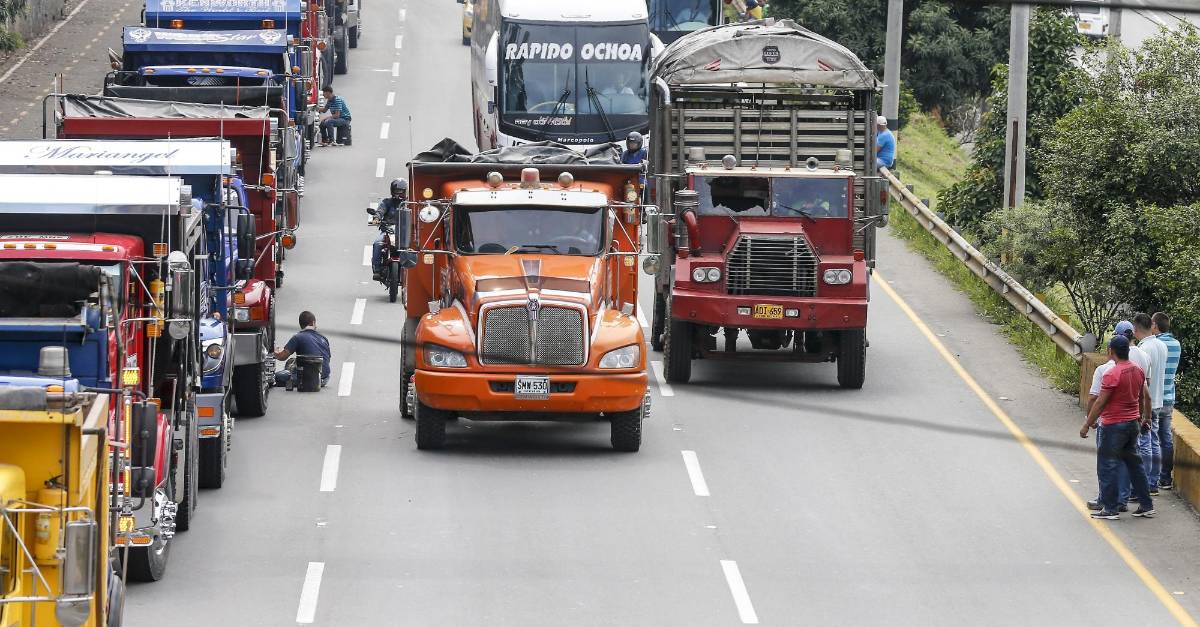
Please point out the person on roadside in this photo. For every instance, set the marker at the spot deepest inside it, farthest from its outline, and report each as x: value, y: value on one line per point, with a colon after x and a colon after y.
x: 1161, y: 323
x: 885, y: 144
x: 1121, y: 407
x: 306, y: 342
x: 754, y: 10
x: 1139, y: 358
x: 732, y: 14
x: 339, y: 119
x: 1093, y: 394
x: 1156, y: 350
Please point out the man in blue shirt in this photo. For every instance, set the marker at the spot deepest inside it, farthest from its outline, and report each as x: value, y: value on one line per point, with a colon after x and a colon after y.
x: 635, y: 153
x: 306, y: 342
x: 1161, y: 325
x: 885, y: 144
x: 339, y: 118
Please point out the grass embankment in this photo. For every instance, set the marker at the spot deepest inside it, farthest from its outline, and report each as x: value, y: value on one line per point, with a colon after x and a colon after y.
x: 929, y: 160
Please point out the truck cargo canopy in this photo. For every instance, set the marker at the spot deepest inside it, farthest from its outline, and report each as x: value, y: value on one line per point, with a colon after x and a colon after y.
x: 761, y: 51
x: 158, y: 157
x: 450, y: 151
x: 76, y: 106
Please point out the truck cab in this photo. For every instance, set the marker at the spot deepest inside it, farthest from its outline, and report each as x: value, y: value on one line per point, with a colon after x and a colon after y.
x: 522, y: 305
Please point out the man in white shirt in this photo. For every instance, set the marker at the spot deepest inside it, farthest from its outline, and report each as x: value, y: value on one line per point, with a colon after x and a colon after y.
x: 1142, y: 360
x: 1148, y: 444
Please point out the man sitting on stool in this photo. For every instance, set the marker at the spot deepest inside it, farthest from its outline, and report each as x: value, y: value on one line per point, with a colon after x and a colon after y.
x: 306, y: 342
x: 339, y: 118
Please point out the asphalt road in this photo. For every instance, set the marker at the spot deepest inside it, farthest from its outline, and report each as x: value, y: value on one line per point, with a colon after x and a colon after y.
x: 761, y: 494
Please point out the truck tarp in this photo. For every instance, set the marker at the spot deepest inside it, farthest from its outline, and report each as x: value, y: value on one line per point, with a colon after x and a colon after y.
x: 45, y: 290
x: 239, y: 96
x: 23, y: 398
x: 761, y: 51
x: 77, y: 106
x: 551, y: 153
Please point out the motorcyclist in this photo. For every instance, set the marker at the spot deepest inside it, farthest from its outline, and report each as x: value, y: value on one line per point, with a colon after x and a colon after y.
x: 635, y: 152
x: 391, y: 211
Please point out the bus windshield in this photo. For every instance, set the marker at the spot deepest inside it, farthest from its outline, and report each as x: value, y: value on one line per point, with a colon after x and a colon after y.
x: 544, y: 230
x: 577, y: 84
x: 682, y: 16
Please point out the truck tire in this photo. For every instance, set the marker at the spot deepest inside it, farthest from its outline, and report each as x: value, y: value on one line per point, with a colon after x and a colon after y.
x: 394, y: 282
x: 658, y: 321
x: 408, y: 363
x: 626, y: 431
x: 353, y: 39
x: 341, y: 63
x: 213, y: 461
x: 677, y: 351
x: 852, y: 359
x: 191, y: 473
x: 431, y: 427
x: 148, y: 563
x: 250, y: 389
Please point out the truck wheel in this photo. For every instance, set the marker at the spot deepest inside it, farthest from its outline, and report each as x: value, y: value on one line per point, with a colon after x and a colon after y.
x: 394, y: 282
x: 148, y: 563
x: 250, y: 389
x: 186, y: 509
x: 626, y: 431
x: 408, y: 363
x: 341, y: 63
x: 658, y: 321
x: 852, y: 359
x: 212, y: 461
x: 677, y: 351
x: 353, y: 40
x: 431, y: 427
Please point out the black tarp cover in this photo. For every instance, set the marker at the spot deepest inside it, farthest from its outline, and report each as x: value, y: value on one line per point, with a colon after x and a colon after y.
x: 45, y: 290
x: 79, y: 106
x: 535, y: 153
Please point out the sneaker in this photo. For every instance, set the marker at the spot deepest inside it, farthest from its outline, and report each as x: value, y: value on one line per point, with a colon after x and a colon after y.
x: 1142, y: 512
x: 1166, y: 486
x: 1107, y: 515
x: 376, y: 277
x: 1154, y: 491
x: 345, y: 143
x: 1122, y: 508
x: 1095, y: 506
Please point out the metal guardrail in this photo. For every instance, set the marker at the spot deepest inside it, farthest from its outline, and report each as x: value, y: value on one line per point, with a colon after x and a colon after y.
x: 1021, y: 299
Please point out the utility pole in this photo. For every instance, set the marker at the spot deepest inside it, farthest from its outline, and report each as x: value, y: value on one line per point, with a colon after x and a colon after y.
x: 891, y: 62
x: 1018, y: 78
x: 1114, y: 23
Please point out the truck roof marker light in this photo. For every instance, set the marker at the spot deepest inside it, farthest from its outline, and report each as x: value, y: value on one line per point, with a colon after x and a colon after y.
x: 220, y: 70
x: 131, y: 376
x: 268, y: 23
x: 191, y: 70
x: 108, y: 248
x: 261, y: 72
x: 729, y: 162
x: 176, y: 23
x: 50, y: 246
x: 859, y: 255
x: 531, y: 178
x: 148, y: 70
x: 30, y: 245
x: 9, y: 246
x: 205, y: 70
x: 160, y: 249
x: 566, y: 180
x: 495, y: 179
x: 427, y: 193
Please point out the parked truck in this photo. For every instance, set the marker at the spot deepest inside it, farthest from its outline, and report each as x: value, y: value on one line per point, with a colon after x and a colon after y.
x: 763, y: 162
x: 57, y: 562
x: 523, y: 301
x: 206, y: 165
x: 105, y: 266
x: 260, y: 138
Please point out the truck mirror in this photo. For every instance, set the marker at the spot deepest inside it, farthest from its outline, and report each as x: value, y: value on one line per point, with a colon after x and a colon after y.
x: 246, y: 235
x: 78, y: 573
x: 143, y: 445
x: 306, y: 62
x: 653, y: 220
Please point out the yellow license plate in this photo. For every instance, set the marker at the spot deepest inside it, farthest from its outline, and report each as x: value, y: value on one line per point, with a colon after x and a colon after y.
x: 770, y: 312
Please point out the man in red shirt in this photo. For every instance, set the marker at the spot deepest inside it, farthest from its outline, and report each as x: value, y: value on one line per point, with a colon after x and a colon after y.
x: 1122, y: 407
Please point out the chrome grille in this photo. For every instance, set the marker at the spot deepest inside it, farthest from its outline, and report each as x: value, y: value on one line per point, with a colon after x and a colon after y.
x: 771, y: 265
x: 559, y: 342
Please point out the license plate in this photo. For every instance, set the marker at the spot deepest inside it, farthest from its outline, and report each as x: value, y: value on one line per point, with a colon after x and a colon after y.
x: 770, y: 312
x: 1085, y: 25
x: 533, y: 388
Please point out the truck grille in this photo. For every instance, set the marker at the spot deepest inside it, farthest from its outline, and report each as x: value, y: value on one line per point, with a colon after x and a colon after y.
x: 771, y: 265
x: 559, y: 340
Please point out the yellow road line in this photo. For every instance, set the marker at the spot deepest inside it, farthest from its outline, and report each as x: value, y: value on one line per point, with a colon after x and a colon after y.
x: 1101, y: 527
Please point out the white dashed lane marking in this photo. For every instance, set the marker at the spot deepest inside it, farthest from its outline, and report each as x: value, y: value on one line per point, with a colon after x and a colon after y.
x: 360, y: 307
x: 383, y: 130
x: 396, y: 69
x: 379, y: 164
x: 664, y: 388
x: 367, y: 255
x: 737, y: 587
x: 692, y: 463
x: 391, y: 98
x: 399, y: 41
x: 307, y: 611
x: 346, y: 381
x: 329, y: 470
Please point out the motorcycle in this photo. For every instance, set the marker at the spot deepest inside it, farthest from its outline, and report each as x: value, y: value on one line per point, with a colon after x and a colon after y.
x: 395, y: 261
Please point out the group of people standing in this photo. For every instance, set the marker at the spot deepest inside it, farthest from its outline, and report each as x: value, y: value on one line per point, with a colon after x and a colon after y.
x: 1130, y: 403
x: 739, y: 10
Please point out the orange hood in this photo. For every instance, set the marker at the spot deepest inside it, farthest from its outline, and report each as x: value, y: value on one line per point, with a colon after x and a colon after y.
x: 487, y: 278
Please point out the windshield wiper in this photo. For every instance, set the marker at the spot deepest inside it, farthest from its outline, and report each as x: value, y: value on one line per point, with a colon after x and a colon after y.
x: 798, y: 210
x: 516, y: 249
x: 594, y: 98
x: 565, y: 94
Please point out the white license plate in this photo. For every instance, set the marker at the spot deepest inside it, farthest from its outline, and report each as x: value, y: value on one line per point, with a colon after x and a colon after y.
x: 532, y: 387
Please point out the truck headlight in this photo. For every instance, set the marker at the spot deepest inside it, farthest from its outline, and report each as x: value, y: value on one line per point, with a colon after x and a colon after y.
x: 241, y: 314
x: 214, y: 351
x: 706, y: 275
x: 836, y: 276
x: 625, y: 357
x: 442, y: 357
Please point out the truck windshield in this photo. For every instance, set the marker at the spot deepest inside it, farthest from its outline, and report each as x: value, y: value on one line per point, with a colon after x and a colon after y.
x: 786, y: 197
x: 587, y: 80
x: 510, y: 230
x: 682, y: 16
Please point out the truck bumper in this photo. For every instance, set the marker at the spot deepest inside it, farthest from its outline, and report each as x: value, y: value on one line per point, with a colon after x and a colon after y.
x: 492, y: 393
x: 210, y: 413
x: 813, y: 313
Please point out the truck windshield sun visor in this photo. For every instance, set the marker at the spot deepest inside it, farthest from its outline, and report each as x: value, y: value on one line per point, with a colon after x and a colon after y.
x: 45, y: 290
x: 542, y: 230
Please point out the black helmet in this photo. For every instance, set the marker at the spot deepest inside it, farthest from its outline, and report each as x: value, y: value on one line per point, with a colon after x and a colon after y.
x: 634, y: 138
x: 399, y: 186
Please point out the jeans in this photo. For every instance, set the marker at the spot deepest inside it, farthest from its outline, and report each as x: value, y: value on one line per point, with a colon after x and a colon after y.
x: 376, y: 254
x: 1166, y: 442
x: 1148, y: 449
x: 343, y: 130
x: 1117, y: 449
x: 283, y: 377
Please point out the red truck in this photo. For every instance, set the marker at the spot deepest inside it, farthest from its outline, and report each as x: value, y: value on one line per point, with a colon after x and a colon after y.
x: 263, y: 141
x: 763, y: 160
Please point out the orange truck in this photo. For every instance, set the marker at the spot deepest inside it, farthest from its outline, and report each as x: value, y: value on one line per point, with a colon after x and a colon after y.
x: 522, y: 303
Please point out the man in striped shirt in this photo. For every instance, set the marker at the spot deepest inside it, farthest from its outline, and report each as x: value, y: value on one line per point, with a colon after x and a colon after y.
x: 1162, y: 328
x: 339, y: 119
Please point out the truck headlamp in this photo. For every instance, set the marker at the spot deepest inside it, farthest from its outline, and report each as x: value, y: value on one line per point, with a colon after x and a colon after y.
x: 625, y: 357
x: 442, y: 357
x: 214, y: 350
x: 706, y: 275
x: 836, y: 276
x: 241, y: 314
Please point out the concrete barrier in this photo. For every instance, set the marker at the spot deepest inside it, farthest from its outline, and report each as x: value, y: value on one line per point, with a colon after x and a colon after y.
x: 1187, y: 459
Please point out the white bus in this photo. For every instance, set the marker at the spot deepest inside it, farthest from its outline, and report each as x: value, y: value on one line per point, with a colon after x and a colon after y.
x: 569, y: 71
